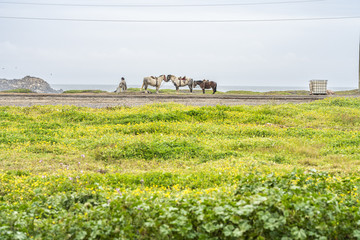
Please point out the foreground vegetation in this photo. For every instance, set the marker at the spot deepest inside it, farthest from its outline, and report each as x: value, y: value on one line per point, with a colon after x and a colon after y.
x: 168, y: 171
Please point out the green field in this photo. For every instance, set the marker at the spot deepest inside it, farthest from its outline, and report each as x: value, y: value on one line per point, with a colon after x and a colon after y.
x: 169, y: 171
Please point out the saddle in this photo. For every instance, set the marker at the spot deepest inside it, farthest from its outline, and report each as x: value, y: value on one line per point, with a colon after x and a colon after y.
x: 206, y: 83
x: 182, y: 78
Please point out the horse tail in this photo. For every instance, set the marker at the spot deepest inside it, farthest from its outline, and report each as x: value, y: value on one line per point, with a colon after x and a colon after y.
x: 215, y: 86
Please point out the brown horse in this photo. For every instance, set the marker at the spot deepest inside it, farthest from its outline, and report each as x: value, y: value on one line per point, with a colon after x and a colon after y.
x: 206, y: 84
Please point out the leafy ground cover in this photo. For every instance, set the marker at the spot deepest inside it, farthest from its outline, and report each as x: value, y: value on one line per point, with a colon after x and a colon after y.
x: 169, y: 171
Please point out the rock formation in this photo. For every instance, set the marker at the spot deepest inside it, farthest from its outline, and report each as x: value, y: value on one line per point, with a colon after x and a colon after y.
x: 34, y: 84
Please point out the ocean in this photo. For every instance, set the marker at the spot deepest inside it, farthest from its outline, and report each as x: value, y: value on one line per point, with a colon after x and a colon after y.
x: 221, y: 88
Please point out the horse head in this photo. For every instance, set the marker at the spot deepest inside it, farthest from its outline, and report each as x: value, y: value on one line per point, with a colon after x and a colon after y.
x: 165, y: 78
x: 197, y: 83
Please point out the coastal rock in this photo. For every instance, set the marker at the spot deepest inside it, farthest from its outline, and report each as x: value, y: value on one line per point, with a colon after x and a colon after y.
x: 34, y: 84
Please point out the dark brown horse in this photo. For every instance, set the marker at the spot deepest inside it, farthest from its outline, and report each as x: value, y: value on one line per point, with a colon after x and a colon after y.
x: 206, y: 84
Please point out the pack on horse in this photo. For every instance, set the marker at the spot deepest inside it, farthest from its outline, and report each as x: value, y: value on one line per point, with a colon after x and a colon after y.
x: 181, y: 82
x: 206, y: 84
x: 153, y: 81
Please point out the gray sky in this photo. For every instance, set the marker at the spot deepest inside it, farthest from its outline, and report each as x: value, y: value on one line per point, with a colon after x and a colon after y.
x: 260, y: 53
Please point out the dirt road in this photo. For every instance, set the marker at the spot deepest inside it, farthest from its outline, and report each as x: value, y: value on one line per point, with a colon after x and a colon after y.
x: 135, y: 99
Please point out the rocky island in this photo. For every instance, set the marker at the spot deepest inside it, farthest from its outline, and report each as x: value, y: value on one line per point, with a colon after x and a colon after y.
x: 34, y: 84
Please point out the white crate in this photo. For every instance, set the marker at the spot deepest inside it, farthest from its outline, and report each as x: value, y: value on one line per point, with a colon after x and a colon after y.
x: 318, y: 87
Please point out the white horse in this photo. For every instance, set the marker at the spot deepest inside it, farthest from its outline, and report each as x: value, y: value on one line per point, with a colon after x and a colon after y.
x: 153, y: 81
x: 122, y: 86
x: 181, y: 82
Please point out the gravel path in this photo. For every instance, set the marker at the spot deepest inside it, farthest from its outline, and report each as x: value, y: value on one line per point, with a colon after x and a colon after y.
x: 136, y: 99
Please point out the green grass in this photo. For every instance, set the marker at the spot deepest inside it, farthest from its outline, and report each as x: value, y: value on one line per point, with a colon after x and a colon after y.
x: 19, y: 90
x: 169, y: 171
x: 348, y: 92
x: 313, y: 133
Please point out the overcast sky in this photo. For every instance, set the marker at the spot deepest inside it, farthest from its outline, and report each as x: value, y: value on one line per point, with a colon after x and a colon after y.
x: 246, y: 53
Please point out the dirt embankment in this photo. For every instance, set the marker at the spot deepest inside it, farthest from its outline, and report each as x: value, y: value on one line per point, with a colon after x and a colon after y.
x: 132, y: 99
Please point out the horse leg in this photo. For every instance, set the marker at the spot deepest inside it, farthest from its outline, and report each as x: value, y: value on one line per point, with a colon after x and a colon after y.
x: 142, y: 86
x: 157, y: 89
x: 214, y: 89
x: 177, y: 89
x: 145, y: 84
x: 190, y: 87
x: 203, y: 90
